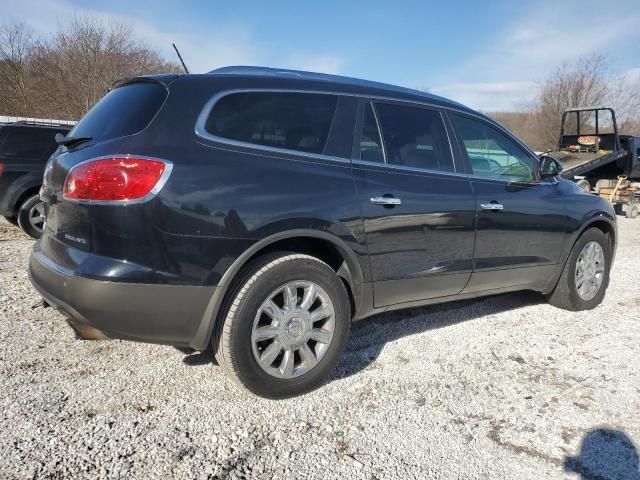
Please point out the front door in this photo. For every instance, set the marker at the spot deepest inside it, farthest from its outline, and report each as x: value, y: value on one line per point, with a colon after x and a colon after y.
x: 418, y: 213
x: 521, y: 221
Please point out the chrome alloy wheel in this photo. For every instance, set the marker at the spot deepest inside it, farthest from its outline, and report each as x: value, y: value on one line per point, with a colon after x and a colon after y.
x: 36, y: 217
x: 590, y: 271
x: 293, y: 329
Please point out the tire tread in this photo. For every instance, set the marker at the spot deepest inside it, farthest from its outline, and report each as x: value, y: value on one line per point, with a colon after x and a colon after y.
x: 223, y: 334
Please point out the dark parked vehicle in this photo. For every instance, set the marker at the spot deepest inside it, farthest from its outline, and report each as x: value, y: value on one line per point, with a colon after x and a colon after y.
x: 261, y: 211
x: 24, y: 150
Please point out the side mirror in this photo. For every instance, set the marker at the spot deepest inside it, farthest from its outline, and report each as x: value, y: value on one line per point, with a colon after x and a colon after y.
x: 549, y: 167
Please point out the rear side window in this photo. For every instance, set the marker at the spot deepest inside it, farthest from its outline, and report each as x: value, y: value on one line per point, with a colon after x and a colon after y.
x: 294, y: 121
x: 28, y: 142
x: 414, y: 137
x: 123, y: 111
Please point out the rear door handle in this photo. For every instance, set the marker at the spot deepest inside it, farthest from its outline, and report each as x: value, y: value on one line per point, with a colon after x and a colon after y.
x: 386, y: 201
x: 492, y: 206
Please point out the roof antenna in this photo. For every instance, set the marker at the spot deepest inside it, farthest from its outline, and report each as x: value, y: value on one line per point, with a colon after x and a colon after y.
x: 186, y: 70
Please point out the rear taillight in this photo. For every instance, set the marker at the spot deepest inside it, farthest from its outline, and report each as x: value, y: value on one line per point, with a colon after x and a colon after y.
x: 116, y: 179
x: 1, y: 168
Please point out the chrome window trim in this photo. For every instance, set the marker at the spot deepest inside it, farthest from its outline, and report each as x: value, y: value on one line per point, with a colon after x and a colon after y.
x: 201, y: 132
x: 154, y: 191
x: 402, y: 168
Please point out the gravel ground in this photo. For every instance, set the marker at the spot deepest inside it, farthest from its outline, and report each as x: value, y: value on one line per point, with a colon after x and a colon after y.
x: 506, y: 387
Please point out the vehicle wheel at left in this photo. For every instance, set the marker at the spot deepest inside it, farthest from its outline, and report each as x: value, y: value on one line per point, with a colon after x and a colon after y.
x: 585, y: 276
x: 11, y: 220
x: 31, y: 216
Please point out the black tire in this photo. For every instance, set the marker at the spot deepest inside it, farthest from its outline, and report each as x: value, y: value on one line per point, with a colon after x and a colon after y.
x: 24, y: 213
x: 232, y: 338
x: 12, y: 220
x: 565, y: 295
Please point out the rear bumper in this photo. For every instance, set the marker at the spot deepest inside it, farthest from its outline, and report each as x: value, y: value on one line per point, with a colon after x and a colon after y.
x: 156, y: 313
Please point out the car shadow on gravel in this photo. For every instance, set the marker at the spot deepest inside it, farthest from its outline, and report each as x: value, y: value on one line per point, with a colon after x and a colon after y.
x: 194, y: 358
x: 605, y: 453
x: 369, y: 336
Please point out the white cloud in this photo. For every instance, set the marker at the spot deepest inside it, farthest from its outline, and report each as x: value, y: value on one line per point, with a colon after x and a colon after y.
x: 490, y: 96
x: 202, y: 51
x: 501, y: 74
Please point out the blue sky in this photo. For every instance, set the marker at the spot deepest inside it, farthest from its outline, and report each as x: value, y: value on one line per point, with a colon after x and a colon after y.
x: 486, y: 54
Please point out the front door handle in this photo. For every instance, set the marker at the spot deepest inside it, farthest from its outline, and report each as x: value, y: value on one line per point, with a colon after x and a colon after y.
x: 386, y: 201
x: 492, y: 206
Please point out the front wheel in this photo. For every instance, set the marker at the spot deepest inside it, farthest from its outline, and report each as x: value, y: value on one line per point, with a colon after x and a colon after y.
x: 31, y: 216
x: 286, y: 326
x: 585, y: 276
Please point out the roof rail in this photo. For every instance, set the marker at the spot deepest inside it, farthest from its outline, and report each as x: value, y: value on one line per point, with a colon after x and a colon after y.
x: 37, y: 121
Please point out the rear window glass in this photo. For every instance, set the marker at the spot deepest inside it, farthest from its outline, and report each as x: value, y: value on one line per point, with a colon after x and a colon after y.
x: 415, y: 137
x: 123, y: 111
x: 28, y: 142
x: 295, y: 121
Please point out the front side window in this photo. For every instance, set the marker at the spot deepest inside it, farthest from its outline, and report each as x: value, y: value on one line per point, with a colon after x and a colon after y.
x: 491, y: 154
x: 289, y: 120
x: 414, y: 137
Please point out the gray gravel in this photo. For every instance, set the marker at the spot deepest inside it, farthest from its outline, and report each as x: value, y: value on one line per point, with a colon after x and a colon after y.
x: 506, y: 387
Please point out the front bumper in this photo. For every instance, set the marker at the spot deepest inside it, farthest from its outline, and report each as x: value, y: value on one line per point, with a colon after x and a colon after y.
x: 156, y: 313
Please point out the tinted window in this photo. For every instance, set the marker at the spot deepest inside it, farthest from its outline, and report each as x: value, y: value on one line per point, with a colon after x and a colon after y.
x: 123, y: 111
x: 414, y: 137
x: 340, y: 141
x: 491, y: 154
x: 295, y: 121
x: 370, y: 143
x: 29, y: 142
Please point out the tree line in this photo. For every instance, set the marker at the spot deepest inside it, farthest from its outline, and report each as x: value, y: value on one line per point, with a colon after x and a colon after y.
x: 587, y: 82
x: 64, y: 75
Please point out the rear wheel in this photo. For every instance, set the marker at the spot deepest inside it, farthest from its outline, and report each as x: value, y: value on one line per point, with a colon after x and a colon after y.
x: 585, y: 276
x: 286, y: 326
x: 31, y: 216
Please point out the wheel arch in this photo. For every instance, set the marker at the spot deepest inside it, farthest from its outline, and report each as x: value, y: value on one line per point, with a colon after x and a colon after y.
x: 327, y: 247
x: 606, y: 225
x: 603, y: 222
x: 21, y: 189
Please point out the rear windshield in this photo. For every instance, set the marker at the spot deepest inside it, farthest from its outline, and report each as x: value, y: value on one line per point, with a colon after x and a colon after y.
x: 123, y: 111
x: 295, y: 121
x: 28, y: 142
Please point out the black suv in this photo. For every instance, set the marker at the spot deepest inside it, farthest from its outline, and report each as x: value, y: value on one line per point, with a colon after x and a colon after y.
x: 262, y: 211
x: 24, y: 150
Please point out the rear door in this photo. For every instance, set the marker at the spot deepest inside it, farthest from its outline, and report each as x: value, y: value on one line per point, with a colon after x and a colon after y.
x: 521, y: 220
x: 418, y: 212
